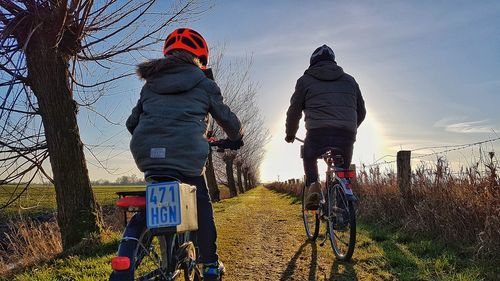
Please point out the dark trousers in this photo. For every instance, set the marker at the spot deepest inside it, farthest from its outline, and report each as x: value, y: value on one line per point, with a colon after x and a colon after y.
x: 317, y: 142
x: 207, y: 233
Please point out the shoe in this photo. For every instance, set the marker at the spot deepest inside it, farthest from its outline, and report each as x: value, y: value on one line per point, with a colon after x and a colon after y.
x: 313, y: 197
x: 213, y: 271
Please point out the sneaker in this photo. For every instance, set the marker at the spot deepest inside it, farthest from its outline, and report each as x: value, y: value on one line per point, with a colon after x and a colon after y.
x: 313, y: 197
x: 213, y: 271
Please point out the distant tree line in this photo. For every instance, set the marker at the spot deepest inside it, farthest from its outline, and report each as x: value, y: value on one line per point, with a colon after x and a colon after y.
x: 123, y: 180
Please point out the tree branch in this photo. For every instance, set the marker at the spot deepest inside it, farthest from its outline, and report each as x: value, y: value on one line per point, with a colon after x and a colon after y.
x: 151, y: 2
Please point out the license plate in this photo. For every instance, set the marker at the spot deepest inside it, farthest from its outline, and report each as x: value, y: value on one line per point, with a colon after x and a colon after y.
x: 163, y: 205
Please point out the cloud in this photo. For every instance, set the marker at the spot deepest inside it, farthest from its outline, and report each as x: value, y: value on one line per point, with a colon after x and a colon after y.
x: 450, y: 124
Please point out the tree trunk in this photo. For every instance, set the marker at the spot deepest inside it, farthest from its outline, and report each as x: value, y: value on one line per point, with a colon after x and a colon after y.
x: 245, y: 178
x: 229, y: 160
x: 213, y: 188
x: 239, y: 177
x: 78, y: 213
x: 250, y: 180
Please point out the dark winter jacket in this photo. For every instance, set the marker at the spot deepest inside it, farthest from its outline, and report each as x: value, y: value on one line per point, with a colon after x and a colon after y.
x: 330, y: 99
x: 168, y: 124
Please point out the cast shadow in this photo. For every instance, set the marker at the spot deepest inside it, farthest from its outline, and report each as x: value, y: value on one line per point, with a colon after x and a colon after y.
x: 292, y: 264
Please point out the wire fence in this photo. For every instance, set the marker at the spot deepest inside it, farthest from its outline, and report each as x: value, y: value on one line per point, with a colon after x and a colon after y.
x: 440, y: 150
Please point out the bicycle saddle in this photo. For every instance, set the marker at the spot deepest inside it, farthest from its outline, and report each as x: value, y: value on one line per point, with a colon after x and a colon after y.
x: 161, y: 175
x: 335, y: 154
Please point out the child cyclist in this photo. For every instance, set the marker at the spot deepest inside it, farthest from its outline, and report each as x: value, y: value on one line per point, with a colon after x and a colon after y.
x: 169, y: 126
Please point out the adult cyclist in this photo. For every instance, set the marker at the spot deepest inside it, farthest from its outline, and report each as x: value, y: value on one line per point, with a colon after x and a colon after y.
x: 169, y: 126
x: 333, y: 108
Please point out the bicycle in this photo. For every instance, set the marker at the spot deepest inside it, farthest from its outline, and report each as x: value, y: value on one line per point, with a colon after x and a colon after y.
x: 158, y: 242
x: 337, y: 209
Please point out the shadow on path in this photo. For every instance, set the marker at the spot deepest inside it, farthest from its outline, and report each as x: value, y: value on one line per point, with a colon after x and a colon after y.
x: 339, y: 270
x: 347, y: 273
x: 292, y: 264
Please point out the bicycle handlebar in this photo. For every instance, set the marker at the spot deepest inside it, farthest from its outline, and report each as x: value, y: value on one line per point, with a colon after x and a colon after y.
x: 225, y: 144
x: 300, y: 140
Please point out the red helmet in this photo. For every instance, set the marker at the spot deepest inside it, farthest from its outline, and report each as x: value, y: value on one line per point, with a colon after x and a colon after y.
x: 188, y: 40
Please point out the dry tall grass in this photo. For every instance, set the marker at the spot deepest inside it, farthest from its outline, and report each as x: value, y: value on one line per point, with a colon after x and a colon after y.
x: 28, y: 242
x: 462, y: 208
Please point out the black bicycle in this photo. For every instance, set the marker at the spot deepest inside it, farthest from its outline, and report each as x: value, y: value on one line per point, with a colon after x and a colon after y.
x: 336, y: 208
x: 158, y: 242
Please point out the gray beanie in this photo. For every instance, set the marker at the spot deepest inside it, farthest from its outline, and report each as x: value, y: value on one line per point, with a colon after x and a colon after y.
x: 322, y: 53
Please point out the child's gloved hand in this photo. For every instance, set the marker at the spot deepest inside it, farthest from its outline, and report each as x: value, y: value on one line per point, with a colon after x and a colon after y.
x: 234, y: 145
x: 289, y: 139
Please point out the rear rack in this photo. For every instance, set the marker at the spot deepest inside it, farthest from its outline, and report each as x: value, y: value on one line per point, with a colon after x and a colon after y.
x: 130, y: 193
x: 122, y: 194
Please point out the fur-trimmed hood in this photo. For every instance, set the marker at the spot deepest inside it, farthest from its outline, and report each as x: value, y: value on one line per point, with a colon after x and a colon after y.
x: 169, y: 75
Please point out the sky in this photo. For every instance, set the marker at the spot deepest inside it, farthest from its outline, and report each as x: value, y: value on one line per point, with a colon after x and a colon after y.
x: 429, y: 72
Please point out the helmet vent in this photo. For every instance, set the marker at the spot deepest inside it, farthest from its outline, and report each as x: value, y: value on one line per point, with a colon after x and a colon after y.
x: 198, y: 41
x: 189, y: 42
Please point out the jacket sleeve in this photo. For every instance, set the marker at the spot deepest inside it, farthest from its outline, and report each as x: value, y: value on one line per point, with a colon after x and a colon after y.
x: 360, y: 108
x: 223, y: 115
x: 133, y: 119
x: 294, y: 113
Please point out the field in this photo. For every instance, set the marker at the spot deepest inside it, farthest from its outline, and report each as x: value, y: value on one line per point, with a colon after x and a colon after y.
x: 39, y: 199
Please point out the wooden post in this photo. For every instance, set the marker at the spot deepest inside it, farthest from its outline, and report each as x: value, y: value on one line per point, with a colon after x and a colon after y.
x: 404, y: 172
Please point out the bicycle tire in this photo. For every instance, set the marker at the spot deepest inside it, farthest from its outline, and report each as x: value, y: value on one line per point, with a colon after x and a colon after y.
x: 310, y: 218
x: 186, y: 256
x: 137, y: 244
x: 346, y: 229
x: 159, y: 264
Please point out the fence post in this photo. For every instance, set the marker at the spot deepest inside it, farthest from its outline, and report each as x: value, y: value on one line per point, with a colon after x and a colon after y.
x: 404, y: 172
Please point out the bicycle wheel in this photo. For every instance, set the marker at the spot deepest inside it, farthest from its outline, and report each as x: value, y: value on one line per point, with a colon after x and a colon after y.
x: 311, y: 219
x: 151, y: 257
x: 341, y: 223
x: 186, y: 257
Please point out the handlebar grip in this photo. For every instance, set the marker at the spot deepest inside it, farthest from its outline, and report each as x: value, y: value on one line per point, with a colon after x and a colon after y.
x: 225, y: 144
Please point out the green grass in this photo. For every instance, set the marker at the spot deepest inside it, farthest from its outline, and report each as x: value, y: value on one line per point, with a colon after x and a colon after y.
x: 416, y: 258
x: 39, y: 199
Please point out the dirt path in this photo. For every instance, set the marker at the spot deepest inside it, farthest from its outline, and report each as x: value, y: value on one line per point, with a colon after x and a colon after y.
x: 261, y: 237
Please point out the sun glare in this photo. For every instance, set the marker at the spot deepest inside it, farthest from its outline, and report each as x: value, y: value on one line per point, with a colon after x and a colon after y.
x: 282, y: 160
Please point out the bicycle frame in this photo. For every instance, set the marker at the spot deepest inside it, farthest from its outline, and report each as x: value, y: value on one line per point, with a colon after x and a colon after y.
x: 333, y: 175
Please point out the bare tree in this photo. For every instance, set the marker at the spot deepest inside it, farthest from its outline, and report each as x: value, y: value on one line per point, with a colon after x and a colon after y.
x: 240, y: 93
x: 49, y: 52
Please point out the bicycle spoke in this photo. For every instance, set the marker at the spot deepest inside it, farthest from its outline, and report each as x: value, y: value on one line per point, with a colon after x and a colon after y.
x: 159, y: 273
x: 338, y: 238
x: 149, y: 275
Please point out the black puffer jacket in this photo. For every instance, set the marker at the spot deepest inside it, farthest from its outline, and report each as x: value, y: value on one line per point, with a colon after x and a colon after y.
x: 330, y: 99
x: 168, y: 125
